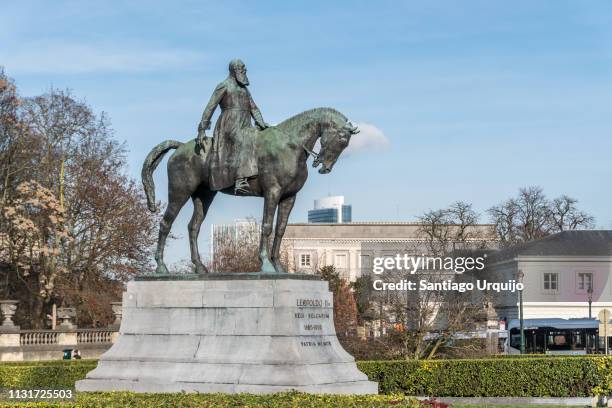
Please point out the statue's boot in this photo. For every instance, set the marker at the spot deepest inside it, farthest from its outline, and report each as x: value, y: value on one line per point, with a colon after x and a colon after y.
x: 242, y: 187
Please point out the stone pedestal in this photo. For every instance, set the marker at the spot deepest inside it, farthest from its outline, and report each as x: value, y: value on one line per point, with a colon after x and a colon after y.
x: 228, y: 335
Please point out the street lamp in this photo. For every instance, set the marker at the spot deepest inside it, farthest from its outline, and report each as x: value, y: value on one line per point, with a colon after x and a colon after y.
x: 519, y: 277
x: 590, y: 292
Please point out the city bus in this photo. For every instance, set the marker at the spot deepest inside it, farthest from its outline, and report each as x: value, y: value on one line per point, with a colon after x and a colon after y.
x: 556, y: 336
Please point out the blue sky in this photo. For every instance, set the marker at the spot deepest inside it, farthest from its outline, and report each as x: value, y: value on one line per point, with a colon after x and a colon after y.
x: 465, y: 100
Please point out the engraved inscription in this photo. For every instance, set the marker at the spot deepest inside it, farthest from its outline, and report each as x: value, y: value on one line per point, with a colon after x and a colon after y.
x: 309, y: 303
x: 316, y: 315
x: 313, y: 303
x: 311, y: 315
x: 318, y: 343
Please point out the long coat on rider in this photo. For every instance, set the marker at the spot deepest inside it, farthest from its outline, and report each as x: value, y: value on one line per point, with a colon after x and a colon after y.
x: 230, y: 159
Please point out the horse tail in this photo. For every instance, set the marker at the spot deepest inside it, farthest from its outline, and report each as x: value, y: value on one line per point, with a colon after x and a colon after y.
x: 153, y: 159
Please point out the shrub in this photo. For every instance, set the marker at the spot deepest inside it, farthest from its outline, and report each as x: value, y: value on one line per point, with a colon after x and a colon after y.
x: 540, y: 356
x: 494, y: 377
x: 509, y: 377
x: 48, y: 374
x: 604, y: 369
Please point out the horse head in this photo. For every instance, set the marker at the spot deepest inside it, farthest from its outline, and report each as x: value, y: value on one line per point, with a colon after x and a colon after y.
x: 334, y: 139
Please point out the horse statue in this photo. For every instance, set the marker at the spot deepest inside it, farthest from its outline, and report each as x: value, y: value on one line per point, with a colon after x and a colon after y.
x: 281, y: 153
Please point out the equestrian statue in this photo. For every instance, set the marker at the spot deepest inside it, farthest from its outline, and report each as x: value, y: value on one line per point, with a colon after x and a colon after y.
x: 244, y: 160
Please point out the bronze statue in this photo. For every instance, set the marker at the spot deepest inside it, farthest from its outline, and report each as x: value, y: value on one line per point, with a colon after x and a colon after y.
x: 231, y: 162
x: 279, y: 154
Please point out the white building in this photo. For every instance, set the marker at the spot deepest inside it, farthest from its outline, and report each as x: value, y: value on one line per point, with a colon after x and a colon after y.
x: 351, y: 247
x: 558, y: 272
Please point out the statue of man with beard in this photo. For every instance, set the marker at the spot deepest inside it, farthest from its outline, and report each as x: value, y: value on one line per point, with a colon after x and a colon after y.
x: 230, y: 164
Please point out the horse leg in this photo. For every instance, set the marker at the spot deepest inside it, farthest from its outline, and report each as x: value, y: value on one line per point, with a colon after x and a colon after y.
x: 270, y: 204
x: 284, y: 209
x: 176, y: 200
x: 201, y: 202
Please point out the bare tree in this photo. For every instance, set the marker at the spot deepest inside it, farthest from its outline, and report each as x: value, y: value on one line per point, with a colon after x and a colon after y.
x: 445, y: 229
x: 532, y: 216
x: 16, y: 142
x: 566, y: 216
x: 421, y: 322
x: 464, y: 218
x: 505, y: 217
x: 534, y: 212
x: 235, y: 247
x: 435, y: 228
x: 73, y: 226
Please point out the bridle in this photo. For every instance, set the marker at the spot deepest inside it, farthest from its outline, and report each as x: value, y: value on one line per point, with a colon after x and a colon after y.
x: 311, y: 153
x: 352, y: 129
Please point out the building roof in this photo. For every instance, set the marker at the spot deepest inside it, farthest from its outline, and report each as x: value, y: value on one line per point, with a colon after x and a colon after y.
x: 365, y: 230
x: 565, y: 243
x: 555, y: 323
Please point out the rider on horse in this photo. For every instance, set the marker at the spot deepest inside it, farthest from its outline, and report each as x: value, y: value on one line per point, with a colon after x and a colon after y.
x: 230, y: 164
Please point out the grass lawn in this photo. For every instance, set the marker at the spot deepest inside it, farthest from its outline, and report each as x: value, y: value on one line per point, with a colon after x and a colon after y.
x: 281, y: 400
x: 519, y: 406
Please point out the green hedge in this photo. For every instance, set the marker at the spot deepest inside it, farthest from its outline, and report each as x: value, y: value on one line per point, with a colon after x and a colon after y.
x: 542, y: 356
x: 494, y: 377
x: 282, y: 400
x: 604, y: 367
x: 44, y: 374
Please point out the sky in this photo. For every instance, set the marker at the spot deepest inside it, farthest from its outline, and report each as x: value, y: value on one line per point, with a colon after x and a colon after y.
x: 465, y: 100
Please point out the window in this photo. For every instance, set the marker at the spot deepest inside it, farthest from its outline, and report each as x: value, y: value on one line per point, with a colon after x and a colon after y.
x: 340, y: 261
x: 551, y: 281
x: 305, y: 260
x: 364, y: 261
x: 585, y: 281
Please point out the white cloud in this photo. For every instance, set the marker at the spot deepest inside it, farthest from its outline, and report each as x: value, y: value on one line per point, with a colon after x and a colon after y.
x: 369, y: 138
x: 77, y: 58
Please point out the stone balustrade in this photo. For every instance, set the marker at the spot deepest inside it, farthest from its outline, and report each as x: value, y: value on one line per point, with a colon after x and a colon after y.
x: 93, y: 336
x: 38, y: 337
x: 28, y: 345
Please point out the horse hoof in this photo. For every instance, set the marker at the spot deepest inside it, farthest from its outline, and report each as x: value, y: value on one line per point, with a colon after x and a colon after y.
x: 201, y: 270
x: 161, y: 270
x: 267, y: 267
x: 279, y: 268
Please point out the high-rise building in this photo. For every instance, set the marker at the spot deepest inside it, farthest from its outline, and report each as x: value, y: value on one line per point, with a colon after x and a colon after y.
x: 330, y: 210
